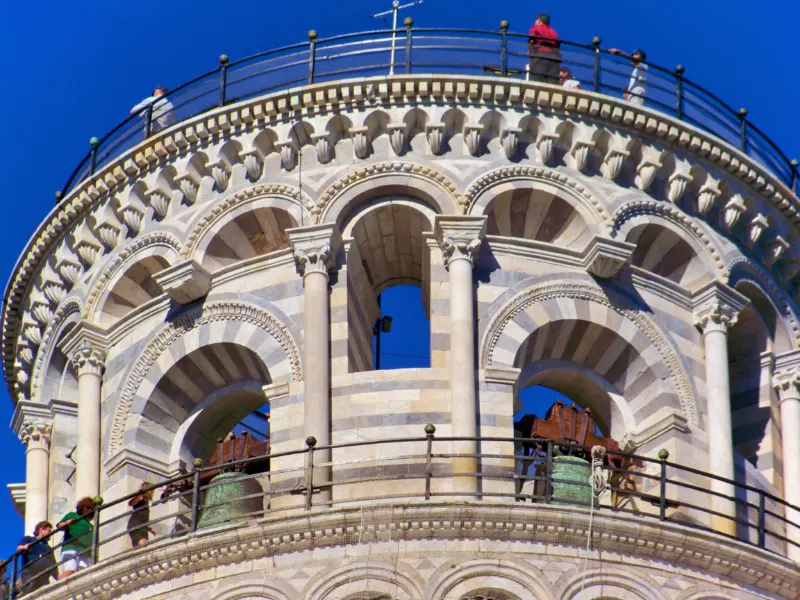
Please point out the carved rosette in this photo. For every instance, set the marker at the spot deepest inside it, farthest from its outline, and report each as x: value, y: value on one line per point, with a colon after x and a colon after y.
x: 397, y: 137
x: 734, y: 209
x: 36, y: 435
x: 322, y: 144
x: 89, y: 360
x: 677, y: 186
x: 435, y: 134
x: 472, y: 138
x: 612, y: 165
x: 189, y: 184
x: 252, y: 163
x: 510, y: 140
x: 314, y: 260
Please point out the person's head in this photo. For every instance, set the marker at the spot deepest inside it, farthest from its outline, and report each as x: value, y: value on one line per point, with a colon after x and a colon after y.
x: 638, y: 55
x: 159, y: 91
x: 564, y: 73
x: 148, y: 495
x: 543, y: 19
x: 43, y: 528
x: 84, y: 505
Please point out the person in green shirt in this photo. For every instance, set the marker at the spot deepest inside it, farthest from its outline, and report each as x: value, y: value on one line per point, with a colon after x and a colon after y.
x: 77, y: 546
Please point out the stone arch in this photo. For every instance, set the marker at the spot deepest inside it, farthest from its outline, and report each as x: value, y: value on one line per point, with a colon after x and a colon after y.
x: 159, y: 244
x: 643, y: 212
x: 456, y: 580
x: 396, y: 581
x: 486, y: 188
x: 538, y: 306
x: 382, y: 179
x: 273, y: 196
x: 65, y: 317
x: 608, y: 583
x: 275, y: 589
x: 224, y: 322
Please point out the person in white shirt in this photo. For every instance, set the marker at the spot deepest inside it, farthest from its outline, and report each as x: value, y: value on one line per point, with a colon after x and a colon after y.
x: 163, y: 112
x: 566, y: 80
x: 636, y: 91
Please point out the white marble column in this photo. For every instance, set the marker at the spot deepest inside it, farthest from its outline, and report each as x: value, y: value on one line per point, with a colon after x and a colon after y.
x: 314, y: 252
x: 36, y: 436
x: 89, y: 363
x: 716, y: 309
x: 787, y: 384
x: 460, y: 239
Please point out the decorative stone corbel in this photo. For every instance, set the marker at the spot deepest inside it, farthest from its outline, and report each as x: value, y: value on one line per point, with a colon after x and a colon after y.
x: 185, y: 282
x: 54, y: 292
x: 220, y: 172
x: 509, y: 138
x: 646, y: 173
x: 707, y: 195
x: 397, y: 137
x: 734, y: 209
x: 545, y: 147
x: 434, y: 132
x: 775, y: 249
x: 604, y: 257
x: 322, y: 144
x: 361, y: 145
x: 132, y: 217
x: 108, y: 235
x: 756, y: 228
x: 31, y: 330
x: 25, y: 351
x: 159, y: 200
x: 41, y: 310
x: 472, y: 137
x: 189, y: 184
x: 288, y: 154
x: 580, y: 152
x: 612, y: 164
x: 253, y: 164
x: 69, y: 269
x: 88, y: 251
x: 677, y: 186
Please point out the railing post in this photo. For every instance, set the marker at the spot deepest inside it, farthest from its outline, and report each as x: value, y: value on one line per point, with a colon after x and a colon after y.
x: 548, y: 467
x: 742, y: 114
x: 312, y: 54
x: 12, y: 584
x: 94, y: 143
x: 793, y: 163
x: 148, y: 120
x: 663, y: 455
x: 98, y: 503
x: 596, y: 41
x: 197, y: 462
x: 430, y: 429
x: 409, y: 23
x: 223, y: 79
x: 59, y: 196
x: 679, y: 71
x: 311, y: 441
x: 762, y: 519
x: 504, y: 48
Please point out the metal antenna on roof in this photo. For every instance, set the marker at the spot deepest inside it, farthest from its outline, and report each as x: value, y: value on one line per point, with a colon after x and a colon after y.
x: 396, y: 7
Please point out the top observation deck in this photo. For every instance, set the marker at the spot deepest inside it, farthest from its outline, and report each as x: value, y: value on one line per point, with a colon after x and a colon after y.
x: 436, y: 51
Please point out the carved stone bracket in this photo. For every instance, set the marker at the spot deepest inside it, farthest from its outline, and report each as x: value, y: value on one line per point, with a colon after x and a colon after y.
x: 605, y: 257
x: 189, y: 185
x: 288, y: 154
x: 613, y: 162
x: 397, y: 137
x: 472, y: 137
x: 459, y: 237
x: 756, y: 228
x: 322, y: 144
x: 734, y: 209
x: 545, y: 146
x: 677, y: 186
x: 510, y: 141
x: 314, y: 248
x: 361, y: 145
x: 435, y: 134
x: 253, y: 163
x: 220, y: 172
x: 717, y: 306
x: 185, y: 282
x: 707, y: 195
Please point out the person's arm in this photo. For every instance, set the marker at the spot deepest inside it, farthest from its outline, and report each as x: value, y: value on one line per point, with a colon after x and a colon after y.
x: 143, y: 104
x: 618, y: 52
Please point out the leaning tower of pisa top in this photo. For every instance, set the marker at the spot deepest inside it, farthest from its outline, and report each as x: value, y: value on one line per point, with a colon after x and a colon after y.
x: 222, y: 253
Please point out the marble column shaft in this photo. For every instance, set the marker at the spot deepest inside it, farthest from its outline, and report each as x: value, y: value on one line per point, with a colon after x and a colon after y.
x: 89, y: 363
x: 788, y: 387
x: 36, y: 436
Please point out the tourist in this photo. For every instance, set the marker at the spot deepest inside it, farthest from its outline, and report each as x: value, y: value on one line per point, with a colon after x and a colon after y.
x: 76, y: 550
x: 163, y: 112
x: 635, y: 92
x: 5, y: 586
x: 138, y: 529
x: 566, y: 80
x: 544, y: 50
x: 38, y: 563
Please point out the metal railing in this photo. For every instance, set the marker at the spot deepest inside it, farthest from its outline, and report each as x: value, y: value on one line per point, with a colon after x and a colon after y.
x: 521, y: 471
x: 437, y: 51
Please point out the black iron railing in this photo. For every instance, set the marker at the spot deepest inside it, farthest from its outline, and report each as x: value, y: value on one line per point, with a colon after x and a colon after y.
x: 521, y: 471
x: 437, y: 51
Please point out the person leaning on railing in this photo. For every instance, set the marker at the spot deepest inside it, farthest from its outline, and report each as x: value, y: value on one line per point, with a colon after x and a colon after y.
x: 38, y: 562
x: 77, y: 547
x: 163, y: 112
x: 636, y: 90
x: 544, y: 50
x: 138, y: 529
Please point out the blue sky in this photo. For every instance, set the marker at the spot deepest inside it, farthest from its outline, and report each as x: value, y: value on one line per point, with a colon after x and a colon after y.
x: 72, y: 71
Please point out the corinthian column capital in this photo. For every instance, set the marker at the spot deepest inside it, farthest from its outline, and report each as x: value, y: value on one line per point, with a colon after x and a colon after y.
x: 36, y: 435
x: 314, y: 248
x: 89, y: 360
x: 786, y: 377
x: 717, y: 307
x: 459, y: 237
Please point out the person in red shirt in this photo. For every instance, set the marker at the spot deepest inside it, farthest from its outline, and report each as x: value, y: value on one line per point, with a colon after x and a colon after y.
x: 544, y: 50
